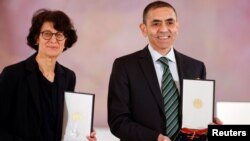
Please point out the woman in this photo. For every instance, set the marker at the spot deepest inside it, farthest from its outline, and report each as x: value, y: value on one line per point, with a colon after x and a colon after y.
x: 32, y: 91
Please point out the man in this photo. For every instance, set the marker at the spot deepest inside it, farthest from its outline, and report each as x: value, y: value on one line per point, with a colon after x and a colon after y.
x: 135, y: 102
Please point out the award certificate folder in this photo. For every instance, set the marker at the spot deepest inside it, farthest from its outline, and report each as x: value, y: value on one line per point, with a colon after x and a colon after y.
x: 198, y: 103
x: 233, y: 113
x: 78, y: 116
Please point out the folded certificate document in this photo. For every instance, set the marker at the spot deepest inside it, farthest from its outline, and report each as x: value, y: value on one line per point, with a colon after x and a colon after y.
x: 78, y: 116
x: 198, y: 103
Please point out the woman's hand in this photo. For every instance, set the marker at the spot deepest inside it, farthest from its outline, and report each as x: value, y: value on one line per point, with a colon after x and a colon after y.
x: 92, y: 136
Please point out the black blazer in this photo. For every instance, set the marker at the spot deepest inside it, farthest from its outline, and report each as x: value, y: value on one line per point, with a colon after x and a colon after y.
x: 135, y: 106
x: 20, y: 110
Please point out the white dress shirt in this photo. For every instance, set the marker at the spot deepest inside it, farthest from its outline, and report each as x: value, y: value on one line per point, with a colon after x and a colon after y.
x: 159, y: 68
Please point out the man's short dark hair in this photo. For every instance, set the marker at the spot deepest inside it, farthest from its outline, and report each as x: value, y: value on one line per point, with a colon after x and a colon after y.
x: 154, y: 5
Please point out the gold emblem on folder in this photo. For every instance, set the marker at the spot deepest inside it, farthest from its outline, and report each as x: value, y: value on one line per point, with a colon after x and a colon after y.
x: 77, y: 116
x: 197, y: 103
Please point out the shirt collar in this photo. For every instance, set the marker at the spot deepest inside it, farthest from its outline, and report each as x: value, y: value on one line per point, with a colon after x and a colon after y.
x: 156, y: 55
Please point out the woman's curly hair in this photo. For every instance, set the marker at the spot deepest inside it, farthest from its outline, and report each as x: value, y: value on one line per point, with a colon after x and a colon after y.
x: 60, y: 21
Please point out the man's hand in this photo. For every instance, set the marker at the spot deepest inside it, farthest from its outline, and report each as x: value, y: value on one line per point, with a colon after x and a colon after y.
x: 163, y: 138
x: 217, y: 121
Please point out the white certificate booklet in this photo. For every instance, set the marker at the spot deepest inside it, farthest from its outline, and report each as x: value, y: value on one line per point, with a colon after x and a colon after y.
x: 236, y: 113
x: 78, y: 116
x: 198, y: 103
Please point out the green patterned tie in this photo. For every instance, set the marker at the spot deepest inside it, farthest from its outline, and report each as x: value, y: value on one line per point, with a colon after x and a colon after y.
x: 171, y: 99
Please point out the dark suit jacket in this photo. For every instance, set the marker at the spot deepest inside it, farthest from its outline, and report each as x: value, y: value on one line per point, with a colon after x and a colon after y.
x: 20, y: 111
x: 135, y: 106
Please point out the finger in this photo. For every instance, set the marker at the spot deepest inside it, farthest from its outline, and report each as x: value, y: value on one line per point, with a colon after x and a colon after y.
x: 218, y: 121
x: 91, y: 138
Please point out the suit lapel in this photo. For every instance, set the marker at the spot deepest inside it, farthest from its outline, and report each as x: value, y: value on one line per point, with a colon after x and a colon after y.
x: 148, y: 69
x: 61, y: 89
x: 180, y: 67
x: 31, y: 67
x: 179, y: 61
